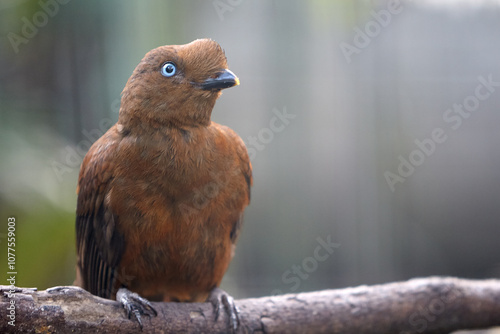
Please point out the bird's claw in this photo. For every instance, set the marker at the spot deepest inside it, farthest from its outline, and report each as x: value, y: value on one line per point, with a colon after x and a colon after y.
x: 135, y: 304
x: 218, y: 297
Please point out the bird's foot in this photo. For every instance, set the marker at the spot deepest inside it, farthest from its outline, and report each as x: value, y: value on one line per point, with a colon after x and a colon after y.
x: 220, y: 297
x: 135, y: 304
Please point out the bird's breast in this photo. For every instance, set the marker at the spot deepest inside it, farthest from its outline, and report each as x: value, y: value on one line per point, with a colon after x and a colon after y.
x: 177, y: 196
x: 177, y: 186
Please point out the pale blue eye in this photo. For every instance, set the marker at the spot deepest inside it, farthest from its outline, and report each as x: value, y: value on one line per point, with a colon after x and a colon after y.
x: 168, y: 69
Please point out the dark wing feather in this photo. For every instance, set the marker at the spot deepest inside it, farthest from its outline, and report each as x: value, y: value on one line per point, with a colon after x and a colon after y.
x: 99, y: 245
x: 246, y: 170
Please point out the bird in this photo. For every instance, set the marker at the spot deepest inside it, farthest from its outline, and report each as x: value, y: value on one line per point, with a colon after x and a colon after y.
x: 161, y: 195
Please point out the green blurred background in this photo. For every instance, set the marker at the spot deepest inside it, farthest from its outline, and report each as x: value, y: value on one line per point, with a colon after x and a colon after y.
x: 322, y: 176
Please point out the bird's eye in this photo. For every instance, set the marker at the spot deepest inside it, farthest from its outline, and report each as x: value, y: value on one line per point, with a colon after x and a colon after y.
x: 168, y: 69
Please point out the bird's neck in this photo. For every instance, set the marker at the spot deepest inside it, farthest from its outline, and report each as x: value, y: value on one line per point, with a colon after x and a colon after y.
x: 136, y: 116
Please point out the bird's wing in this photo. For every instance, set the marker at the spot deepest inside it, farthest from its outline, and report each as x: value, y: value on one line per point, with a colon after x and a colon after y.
x: 246, y: 170
x: 246, y: 165
x: 99, y: 245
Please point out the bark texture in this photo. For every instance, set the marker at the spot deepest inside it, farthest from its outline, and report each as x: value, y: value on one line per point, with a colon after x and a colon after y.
x: 425, y: 305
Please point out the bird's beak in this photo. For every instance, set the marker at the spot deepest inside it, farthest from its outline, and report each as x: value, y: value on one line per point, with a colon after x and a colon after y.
x: 224, y: 79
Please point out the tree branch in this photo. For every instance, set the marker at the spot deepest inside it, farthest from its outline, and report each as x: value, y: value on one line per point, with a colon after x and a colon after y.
x: 427, y: 305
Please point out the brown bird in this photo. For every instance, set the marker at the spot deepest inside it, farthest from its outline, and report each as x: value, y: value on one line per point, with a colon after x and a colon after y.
x: 161, y: 194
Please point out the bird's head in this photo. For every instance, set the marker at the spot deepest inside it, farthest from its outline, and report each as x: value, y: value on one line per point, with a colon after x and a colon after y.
x: 177, y: 85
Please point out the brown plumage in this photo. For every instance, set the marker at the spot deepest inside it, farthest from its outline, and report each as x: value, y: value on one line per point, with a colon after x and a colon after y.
x: 162, y: 193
